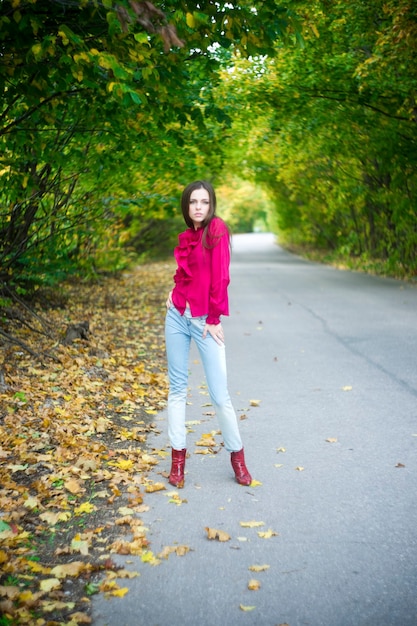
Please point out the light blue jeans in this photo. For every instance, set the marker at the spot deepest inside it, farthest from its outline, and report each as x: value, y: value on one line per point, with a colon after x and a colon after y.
x: 179, y: 330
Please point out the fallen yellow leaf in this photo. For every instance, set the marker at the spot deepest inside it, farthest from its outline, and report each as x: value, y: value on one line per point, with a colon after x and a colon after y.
x: 267, y: 534
x: 125, y: 510
x: 251, y: 524
x: 254, y: 402
x: 85, y: 507
x: 79, y: 618
x: 49, y: 584
x: 151, y: 487
x: 259, y: 568
x: 221, y: 535
x: 73, y: 486
x: 31, y: 503
x: 119, y: 593
x: 332, y: 440
x: 37, y: 568
x: 80, y: 545
x: 246, y: 608
x: 53, y: 518
x: 68, y: 569
x: 254, y: 585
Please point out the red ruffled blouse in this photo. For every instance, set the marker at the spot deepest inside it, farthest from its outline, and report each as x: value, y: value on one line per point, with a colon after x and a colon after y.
x: 202, y: 276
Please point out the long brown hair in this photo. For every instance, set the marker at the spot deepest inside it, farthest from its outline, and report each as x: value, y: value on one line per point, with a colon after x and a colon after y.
x: 209, y: 239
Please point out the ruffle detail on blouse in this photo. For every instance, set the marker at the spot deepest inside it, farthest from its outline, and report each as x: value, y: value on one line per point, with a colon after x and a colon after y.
x: 187, y: 241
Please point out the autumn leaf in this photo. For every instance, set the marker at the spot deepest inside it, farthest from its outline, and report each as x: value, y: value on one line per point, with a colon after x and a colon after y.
x: 347, y: 388
x: 149, y: 557
x: 220, y: 535
x: 252, y: 524
x: 180, y: 550
x: 125, y: 511
x: 246, y: 608
x: 207, y: 440
x: 258, y: 568
x: 80, y: 545
x: 86, y: 507
x: 152, y: 487
x: 331, y: 440
x: 49, y: 584
x: 254, y: 402
x: 119, y: 593
x: 254, y: 585
x: 73, y: 486
x: 79, y: 618
x: 53, y: 518
x: 69, y: 569
x: 299, y: 468
x: 267, y: 534
x: 123, y: 464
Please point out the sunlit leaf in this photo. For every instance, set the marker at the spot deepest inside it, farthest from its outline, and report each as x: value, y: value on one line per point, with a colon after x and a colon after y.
x: 246, y: 608
x: 85, y: 507
x: 252, y: 524
x: 149, y: 557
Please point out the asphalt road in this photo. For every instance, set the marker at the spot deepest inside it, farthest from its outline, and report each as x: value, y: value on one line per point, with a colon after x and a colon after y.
x: 331, y: 358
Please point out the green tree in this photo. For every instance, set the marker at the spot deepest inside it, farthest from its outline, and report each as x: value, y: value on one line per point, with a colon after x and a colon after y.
x: 330, y: 130
x: 101, y: 109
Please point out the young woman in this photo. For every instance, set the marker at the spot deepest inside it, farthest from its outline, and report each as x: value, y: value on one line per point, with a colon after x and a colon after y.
x: 194, y: 308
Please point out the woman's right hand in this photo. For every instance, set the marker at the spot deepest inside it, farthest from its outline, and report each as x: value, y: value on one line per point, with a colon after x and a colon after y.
x: 168, y: 303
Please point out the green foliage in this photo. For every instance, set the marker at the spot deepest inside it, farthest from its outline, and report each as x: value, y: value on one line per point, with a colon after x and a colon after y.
x: 330, y: 131
x: 106, y: 103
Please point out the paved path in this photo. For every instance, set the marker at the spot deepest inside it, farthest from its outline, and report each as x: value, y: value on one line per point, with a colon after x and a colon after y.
x: 332, y: 358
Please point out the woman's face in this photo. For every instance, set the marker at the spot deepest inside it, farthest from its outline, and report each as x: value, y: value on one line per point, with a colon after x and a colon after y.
x: 199, y: 206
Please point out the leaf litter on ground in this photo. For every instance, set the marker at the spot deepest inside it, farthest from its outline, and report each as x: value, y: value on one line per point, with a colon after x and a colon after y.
x: 73, y: 453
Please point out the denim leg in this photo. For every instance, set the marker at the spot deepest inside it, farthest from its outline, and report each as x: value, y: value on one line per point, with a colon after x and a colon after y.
x: 177, y: 340
x: 213, y: 357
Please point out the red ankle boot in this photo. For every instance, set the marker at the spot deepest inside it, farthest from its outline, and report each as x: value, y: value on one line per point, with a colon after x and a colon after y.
x: 241, y: 471
x: 176, y: 476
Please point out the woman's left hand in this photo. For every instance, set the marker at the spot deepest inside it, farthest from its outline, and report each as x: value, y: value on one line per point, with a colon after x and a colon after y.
x: 216, y: 331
